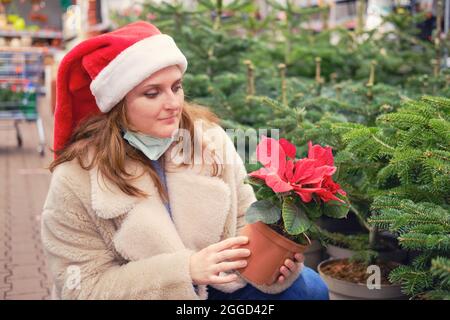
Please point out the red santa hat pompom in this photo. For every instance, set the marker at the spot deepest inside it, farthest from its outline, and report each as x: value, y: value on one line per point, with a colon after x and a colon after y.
x: 97, y: 74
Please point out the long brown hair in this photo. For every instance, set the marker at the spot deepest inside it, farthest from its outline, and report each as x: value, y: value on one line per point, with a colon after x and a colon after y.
x: 103, y: 132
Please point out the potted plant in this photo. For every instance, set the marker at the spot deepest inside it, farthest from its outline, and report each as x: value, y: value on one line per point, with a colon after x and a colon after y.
x: 409, y: 151
x: 293, y: 194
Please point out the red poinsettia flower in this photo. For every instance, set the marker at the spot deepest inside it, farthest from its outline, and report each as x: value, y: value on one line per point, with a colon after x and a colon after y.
x: 305, y: 177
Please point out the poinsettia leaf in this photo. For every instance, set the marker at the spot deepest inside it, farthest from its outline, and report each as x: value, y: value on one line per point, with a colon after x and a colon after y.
x: 336, y: 209
x: 254, y: 181
x: 288, y: 148
x: 265, y: 193
x: 295, y: 219
x: 312, y: 209
x: 264, y: 211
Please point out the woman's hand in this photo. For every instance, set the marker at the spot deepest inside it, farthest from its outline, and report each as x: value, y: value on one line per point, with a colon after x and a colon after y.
x: 206, y: 264
x: 290, y: 267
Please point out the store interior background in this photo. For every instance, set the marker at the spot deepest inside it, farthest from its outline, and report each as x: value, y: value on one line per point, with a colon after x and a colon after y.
x: 34, y: 37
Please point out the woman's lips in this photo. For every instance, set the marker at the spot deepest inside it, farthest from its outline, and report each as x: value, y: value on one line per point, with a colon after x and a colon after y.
x: 169, y: 120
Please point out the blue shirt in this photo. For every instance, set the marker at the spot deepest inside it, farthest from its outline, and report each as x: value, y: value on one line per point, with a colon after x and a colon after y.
x: 162, y: 176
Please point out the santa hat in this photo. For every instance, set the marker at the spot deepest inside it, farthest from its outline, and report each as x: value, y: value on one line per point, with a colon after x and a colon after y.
x: 97, y: 74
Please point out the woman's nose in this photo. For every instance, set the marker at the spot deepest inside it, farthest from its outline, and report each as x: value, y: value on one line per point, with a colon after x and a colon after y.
x: 172, y: 101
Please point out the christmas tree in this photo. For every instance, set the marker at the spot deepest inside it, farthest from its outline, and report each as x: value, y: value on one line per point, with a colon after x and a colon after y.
x: 410, y: 149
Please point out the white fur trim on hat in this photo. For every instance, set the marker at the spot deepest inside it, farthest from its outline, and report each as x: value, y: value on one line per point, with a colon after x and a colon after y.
x: 132, y: 66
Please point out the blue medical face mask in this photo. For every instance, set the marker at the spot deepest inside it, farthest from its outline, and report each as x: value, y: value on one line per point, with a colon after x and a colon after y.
x: 151, y: 146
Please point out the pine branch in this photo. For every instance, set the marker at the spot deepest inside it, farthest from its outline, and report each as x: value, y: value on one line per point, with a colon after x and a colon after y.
x: 438, y: 103
x: 358, y: 242
x: 437, y: 295
x: 423, y: 211
x: 413, y: 280
x: 423, y: 261
x: 440, y: 268
x: 421, y: 241
x: 403, y: 120
x: 441, y: 127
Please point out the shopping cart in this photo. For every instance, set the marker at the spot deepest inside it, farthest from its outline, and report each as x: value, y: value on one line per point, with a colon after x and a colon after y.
x: 21, y: 71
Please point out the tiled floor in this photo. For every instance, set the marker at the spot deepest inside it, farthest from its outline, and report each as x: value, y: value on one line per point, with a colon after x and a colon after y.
x: 24, y: 183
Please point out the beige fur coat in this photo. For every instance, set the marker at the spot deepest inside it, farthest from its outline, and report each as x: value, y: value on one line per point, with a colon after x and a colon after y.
x: 103, y: 244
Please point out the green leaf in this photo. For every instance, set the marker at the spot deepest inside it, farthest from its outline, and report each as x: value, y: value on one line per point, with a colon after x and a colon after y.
x: 312, y: 209
x: 295, y: 219
x: 265, y: 193
x: 336, y: 209
x: 254, y: 181
x: 264, y: 211
x: 206, y: 4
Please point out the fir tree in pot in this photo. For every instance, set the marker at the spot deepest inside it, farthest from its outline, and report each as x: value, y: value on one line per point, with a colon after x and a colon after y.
x: 294, y: 193
x: 409, y: 149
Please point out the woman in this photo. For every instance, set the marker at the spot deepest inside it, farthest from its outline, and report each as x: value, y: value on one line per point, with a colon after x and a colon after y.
x: 125, y: 144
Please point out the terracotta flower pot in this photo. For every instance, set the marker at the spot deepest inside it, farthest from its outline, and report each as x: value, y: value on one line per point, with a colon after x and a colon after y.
x: 269, y: 250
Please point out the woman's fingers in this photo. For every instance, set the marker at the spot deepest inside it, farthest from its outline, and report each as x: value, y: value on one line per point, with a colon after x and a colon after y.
x: 231, y: 254
x: 299, y: 257
x: 224, y: 279
x: 281, y: 279
x: 228, y: 266
x: 206, y: 265
x: 285, y: 271
x: 228, y: 243
x: 290, y: 264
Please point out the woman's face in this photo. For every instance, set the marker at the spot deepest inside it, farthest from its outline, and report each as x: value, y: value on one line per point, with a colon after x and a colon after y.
x: 154, y: 106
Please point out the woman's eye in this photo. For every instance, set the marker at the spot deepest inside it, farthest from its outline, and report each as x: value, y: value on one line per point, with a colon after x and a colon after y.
x: 151, y: 94
x: 154, y: 94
